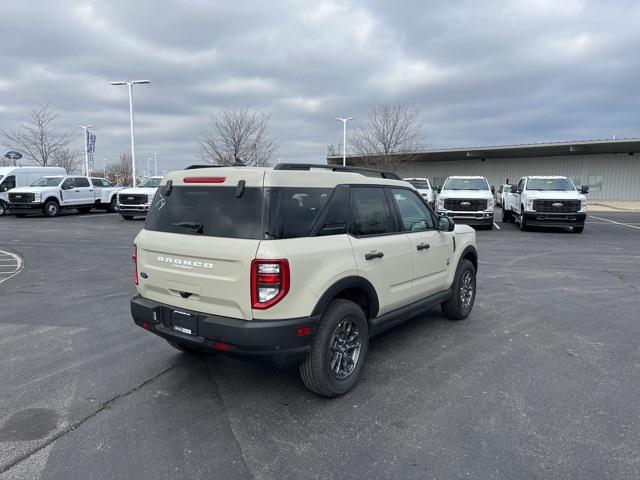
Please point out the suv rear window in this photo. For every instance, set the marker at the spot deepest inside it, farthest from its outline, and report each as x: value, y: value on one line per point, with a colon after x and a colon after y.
x: 209, y: 211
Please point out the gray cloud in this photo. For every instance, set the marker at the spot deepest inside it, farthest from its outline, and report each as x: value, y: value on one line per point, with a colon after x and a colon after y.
x: 481, y: 72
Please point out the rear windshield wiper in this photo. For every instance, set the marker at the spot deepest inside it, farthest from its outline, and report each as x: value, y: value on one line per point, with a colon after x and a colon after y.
x: 196, y: 226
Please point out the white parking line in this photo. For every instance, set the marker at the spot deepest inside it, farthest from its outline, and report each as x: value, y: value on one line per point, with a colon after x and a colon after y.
x: 617, y: 223
x: 496, y: 225
x: 14, y: 270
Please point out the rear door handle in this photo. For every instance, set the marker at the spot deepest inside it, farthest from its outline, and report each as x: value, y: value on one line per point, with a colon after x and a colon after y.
x: 423, y: 246
x: 372, y: 255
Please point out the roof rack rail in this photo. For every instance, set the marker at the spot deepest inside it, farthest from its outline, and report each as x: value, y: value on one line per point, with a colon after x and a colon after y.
x: 193, y: 167
x: 369, y: 172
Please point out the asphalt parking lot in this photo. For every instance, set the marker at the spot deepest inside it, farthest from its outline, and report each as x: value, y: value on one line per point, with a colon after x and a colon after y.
x: 541, y: 381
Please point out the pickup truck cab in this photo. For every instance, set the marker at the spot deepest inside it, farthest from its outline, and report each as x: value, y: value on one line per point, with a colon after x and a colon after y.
x: 50, y: 194
x: 13, y: 177
x: 467, y: 200
x: 423, y: 186
x: 137, y: 201
x: 503, y: 190
x: 546, y: 201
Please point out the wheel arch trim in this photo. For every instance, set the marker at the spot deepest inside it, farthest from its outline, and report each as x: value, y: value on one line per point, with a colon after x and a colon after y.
x: 347, y: 283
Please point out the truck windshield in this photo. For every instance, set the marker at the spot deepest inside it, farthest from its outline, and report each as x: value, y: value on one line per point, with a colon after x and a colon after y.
x: 420, y: 184
x: 150, y: 183
x: 47, y: 182
x: 465, y: 184
x: 208, y: 211
x: 549, y: 184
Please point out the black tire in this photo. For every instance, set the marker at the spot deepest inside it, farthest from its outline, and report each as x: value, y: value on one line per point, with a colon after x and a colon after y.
x: 184, y: 348
x: 51, y: 208
x: 340, y: 319
x: 113, y: 205
x: 523, y: 221
x: 3, y: 208
x: 455, y: 308
x: 127, y: 217
x: 577, y: 229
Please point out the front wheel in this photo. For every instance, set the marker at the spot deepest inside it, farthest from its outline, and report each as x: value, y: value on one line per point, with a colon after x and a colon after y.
x: 578, y: 229
x: 339, y: 350
x: 3, y: 208
x: 113, y: 205
x: 463, y: 292
x: 506, y: 216
x: 523, y: 221
x: 51, y: 209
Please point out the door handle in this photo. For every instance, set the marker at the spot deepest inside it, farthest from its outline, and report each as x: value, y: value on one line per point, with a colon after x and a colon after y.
x: 76, y: 190
x: 422, y: 246
x: 372, y: 255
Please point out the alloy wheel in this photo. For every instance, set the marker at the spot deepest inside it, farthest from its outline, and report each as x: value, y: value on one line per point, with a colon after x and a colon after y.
x: 344, y: 349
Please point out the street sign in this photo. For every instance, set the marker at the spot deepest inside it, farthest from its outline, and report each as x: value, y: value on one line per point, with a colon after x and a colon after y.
x: 13, y: 155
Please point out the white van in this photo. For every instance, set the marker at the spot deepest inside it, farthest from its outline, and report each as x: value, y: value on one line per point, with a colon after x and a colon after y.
x: 12, y: 177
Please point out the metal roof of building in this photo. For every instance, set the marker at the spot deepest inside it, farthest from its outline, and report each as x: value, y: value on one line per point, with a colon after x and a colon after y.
x: 575, y: 147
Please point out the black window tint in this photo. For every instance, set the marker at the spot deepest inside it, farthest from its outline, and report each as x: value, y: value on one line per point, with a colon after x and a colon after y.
x: 414, y: 215
x: 68, y: 183
x: 82, y: 182
x: 370, y: 212
x: 96, y: 182
x: 8, y: 184
x: 293, y: 211
x: 210, y: 211
x: 334, y: 219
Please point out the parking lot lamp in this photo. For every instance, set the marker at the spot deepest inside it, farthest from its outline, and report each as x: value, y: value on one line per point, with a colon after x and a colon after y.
x: 130, y: 84
x: 86, y: 148
x: 344, y: 139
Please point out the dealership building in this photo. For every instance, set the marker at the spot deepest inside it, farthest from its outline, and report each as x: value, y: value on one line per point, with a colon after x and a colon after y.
x: 611, y: 168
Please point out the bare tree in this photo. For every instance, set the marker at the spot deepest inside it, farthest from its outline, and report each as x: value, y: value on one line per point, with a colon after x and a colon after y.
x: 37, y: 139
x: 121, y: 170
x: 390, y: 130
x: 238, y: 134
x: 67, y: 159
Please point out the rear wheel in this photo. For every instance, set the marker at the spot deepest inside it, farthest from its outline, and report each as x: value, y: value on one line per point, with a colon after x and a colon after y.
x: 127, y: 217
x: 463, y: 292
x: 113, y: 205
x: 339, y: 350
x: 184, y: 348
x: 51, y: 209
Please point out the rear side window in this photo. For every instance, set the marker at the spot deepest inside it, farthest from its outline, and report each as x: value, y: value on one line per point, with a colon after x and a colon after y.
x: 370, y: 212
x: 81, y: 182
x: 209, y: 211
x: 96, y: 182
x: 293, y: 211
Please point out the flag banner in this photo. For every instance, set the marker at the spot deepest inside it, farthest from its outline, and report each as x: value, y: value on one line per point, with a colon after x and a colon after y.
x: 91, y: 143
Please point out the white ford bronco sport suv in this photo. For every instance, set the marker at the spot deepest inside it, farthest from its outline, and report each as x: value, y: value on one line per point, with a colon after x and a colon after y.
x: 467, y: 200
x: 297, y: 264
x: 546, y: 201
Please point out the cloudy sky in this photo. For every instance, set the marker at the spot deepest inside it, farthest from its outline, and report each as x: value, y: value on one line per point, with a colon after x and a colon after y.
x: 481, y: 73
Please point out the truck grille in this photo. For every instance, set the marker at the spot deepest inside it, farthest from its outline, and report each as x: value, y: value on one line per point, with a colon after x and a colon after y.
x: 556, y: 206
x: 460, y: 205
x: 132, y: 199
x: 21, y: 197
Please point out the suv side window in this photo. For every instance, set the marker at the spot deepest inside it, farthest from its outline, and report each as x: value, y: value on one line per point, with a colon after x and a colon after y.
x: 8, y: 184
x: 414, y: 215
x: 82, y: 182
x: 68, y: 183
x: 370, y: 212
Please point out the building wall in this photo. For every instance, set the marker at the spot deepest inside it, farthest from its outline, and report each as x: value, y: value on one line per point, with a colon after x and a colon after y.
x: 620, y: 172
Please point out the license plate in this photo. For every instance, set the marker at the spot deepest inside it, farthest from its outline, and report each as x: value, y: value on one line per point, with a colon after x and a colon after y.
x: 184, y: 322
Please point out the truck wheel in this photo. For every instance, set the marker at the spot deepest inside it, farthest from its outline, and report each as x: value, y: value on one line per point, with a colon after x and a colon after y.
x: 3, y: 208
x: 577, y: 229
x: 339, y: 350
x: 51, y: 209
x: 127, y: 217
x: 463, y: 292
x: 523, y: 221
x: 183, y: 348
x: 84, y: 210
x: 113, y: 205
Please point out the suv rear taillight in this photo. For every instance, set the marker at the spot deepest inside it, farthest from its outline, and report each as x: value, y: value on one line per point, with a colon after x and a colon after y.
x: 269, y: 282
x: 134, y: 259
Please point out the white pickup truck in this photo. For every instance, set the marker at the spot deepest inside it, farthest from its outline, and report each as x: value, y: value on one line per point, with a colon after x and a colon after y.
x: 423, y: 186
x: 546, y: 201
x: 50, y: 194
x: 137, y: 201
x: 467, y: 200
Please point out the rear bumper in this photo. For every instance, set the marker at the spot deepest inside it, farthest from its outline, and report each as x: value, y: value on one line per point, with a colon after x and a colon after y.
x: 24, y: 207
x: 273, y: 341
x: 469, y: 218
x: 536, y: 219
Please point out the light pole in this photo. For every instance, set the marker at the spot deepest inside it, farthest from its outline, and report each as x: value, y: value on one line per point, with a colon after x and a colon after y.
x: 86, y: 148
x: 344, y: 139
x: 130, y: 84
x: 155, y: 164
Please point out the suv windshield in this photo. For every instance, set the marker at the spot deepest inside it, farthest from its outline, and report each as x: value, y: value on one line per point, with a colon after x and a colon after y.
x: 150, y: 183
x: 549, y: 184
x: 421, y: 184
x: 465, y: 184
x: 47, y: 182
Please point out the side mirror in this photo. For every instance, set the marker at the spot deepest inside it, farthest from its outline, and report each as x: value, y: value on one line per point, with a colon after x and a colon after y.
x: 584, y: 189
x: 446, y: 224
x: 439, y: 189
